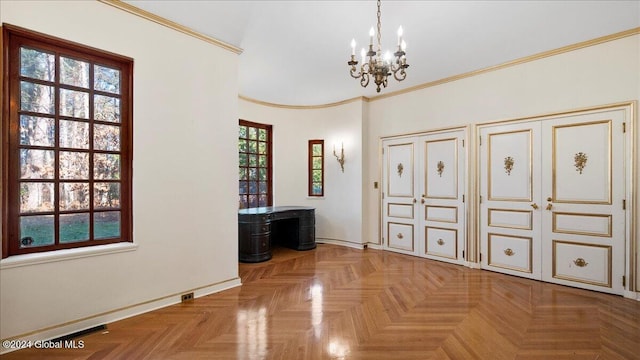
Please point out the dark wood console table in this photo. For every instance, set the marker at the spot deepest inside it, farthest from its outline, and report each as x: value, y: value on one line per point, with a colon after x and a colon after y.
x: 260, y: 228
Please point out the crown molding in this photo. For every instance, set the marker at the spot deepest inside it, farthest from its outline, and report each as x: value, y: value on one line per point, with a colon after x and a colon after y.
x: 526, y: 59
x: 304, y: 107
x: 170, y: 24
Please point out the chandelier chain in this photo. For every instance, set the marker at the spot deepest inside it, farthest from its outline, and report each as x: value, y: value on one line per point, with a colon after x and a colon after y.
x: 379, y: 28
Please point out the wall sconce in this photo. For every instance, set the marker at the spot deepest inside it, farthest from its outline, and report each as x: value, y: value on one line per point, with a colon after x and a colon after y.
x: 341, y: 157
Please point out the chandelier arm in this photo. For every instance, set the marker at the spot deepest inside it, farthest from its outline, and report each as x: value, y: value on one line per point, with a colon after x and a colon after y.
x: 403, y: 74
x: 364, y: 80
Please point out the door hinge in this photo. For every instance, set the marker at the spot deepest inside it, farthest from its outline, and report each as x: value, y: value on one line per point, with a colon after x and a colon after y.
x: 463, y: 198
x: 383, y: 195
x: 480, y: 140
x: 480, y: 257
x: 480, y: 199
x: 624, y: 204
x: 624, y: 127
x: 624, y: 281
x: 462, y: 142
x: 463, y: 254
x: 382, y: 151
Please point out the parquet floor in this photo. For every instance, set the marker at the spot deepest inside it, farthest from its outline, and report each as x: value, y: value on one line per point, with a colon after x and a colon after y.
x: 341, y: 303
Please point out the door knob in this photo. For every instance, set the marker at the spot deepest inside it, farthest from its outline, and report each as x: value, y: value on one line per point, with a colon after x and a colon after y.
x: 549, y: 206
x: 549, y: 198
x: 422, y: 201
x: 415, y: 201
x: 534, y: 206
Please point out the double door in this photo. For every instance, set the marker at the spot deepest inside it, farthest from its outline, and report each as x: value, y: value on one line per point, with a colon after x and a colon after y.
x: 552, y: 203
x: 423, y: 208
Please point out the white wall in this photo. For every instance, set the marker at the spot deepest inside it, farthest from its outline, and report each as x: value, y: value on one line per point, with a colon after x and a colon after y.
x: 339, y: 212
x: 185, y: 126
x: 597, y: 75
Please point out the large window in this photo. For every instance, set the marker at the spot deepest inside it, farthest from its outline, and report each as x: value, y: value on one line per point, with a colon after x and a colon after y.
x: 67, y: 144
x: 254, y: 149
x: 316, y: 167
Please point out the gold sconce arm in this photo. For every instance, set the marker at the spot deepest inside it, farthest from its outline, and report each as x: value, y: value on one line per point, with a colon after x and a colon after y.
x: 339, y: 158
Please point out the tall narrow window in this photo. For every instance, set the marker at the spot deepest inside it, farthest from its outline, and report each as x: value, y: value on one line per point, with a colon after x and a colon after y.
x: 254, y: 149
x: 316, y: 167
x: 67, y: 142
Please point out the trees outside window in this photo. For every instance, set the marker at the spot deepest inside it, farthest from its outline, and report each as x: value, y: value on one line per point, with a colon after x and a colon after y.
x: 316, y: 167
x: 67, y: 144
x: 254, y: 150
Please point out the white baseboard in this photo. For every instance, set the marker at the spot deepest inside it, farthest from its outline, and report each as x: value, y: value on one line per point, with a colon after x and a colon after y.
x: 89, y: 322
x: 346, y: 243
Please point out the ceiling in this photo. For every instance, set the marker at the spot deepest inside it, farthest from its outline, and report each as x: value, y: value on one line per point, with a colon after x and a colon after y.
x: 296, y: 52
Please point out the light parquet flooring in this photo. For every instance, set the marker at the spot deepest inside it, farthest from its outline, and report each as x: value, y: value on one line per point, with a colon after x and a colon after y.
x: 340, y: 303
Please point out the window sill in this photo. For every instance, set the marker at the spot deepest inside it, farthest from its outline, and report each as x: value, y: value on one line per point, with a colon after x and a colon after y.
x: 63, y: 255
x: 315, y: 197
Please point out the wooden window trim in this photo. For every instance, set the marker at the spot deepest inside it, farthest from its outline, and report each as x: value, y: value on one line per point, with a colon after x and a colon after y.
x: 13, y: 37
x: 269, y: 142
x: 310, y: 167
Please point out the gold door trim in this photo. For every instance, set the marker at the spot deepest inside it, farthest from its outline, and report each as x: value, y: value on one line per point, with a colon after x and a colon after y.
x: 489, y: 182
x: 389, y: 236
x: 426, y: 242
x: 426, y: 212
x: 553, y: 162
x: 455, y: 163
x: 607, y: 216
x: 490, y: 223
x: 569, y: 278
x: 529, y: 270
x: 390, y: 171
x: 400, y: 204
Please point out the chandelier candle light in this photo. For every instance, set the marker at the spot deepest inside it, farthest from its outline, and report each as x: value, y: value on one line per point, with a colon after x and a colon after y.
x: 377, y: 66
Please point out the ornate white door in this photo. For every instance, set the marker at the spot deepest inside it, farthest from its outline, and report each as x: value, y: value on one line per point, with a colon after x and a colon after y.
x: 510, y: 199
x: 442, y: 191
x: 553, y: 201
x: 583, y: 237
x: 399, y: 217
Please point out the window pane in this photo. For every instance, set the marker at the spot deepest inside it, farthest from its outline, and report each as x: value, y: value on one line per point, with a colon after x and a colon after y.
x: 106, y: 195
x: 36, y: 197
x: 253, y: 147
x: 262, y: 200
x: 262, y: 148
x: 37, y: 64
x: 253, y: 187
x: 37, y: 164
x: 242, y: 174
x: 106, y: 79
x: 316, y: 189
x: 316, y: 149
x: 317, y: 175
x: 74, y: 72
x: 106, y: 225
x: 74, y: 196
x: 317, y: 163
x: 242, y: 202
x: 74, y: 134
x: 37, y: 98
x: 74, y: 165
x: 242, y: 145
x: 262, y: 161
x: 74, y: 103
x: 253, y: 160
x: 262, y: 174
x: 253, y: 201
x: 253, y: 174
x: 36, y: 230
x: 243, y: 159
x: 253, y: 133
x: 242, y: 188
x: 262, y: 134
x: 263, y: 188
x: 242, y: 133
x: 37, y: 131
x: 106, y: 108
x: 106, y: 166
x: 106, y: 137
x: 74, y: 227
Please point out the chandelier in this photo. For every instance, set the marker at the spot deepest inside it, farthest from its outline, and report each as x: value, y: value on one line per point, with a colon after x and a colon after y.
x: 376, y: 65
